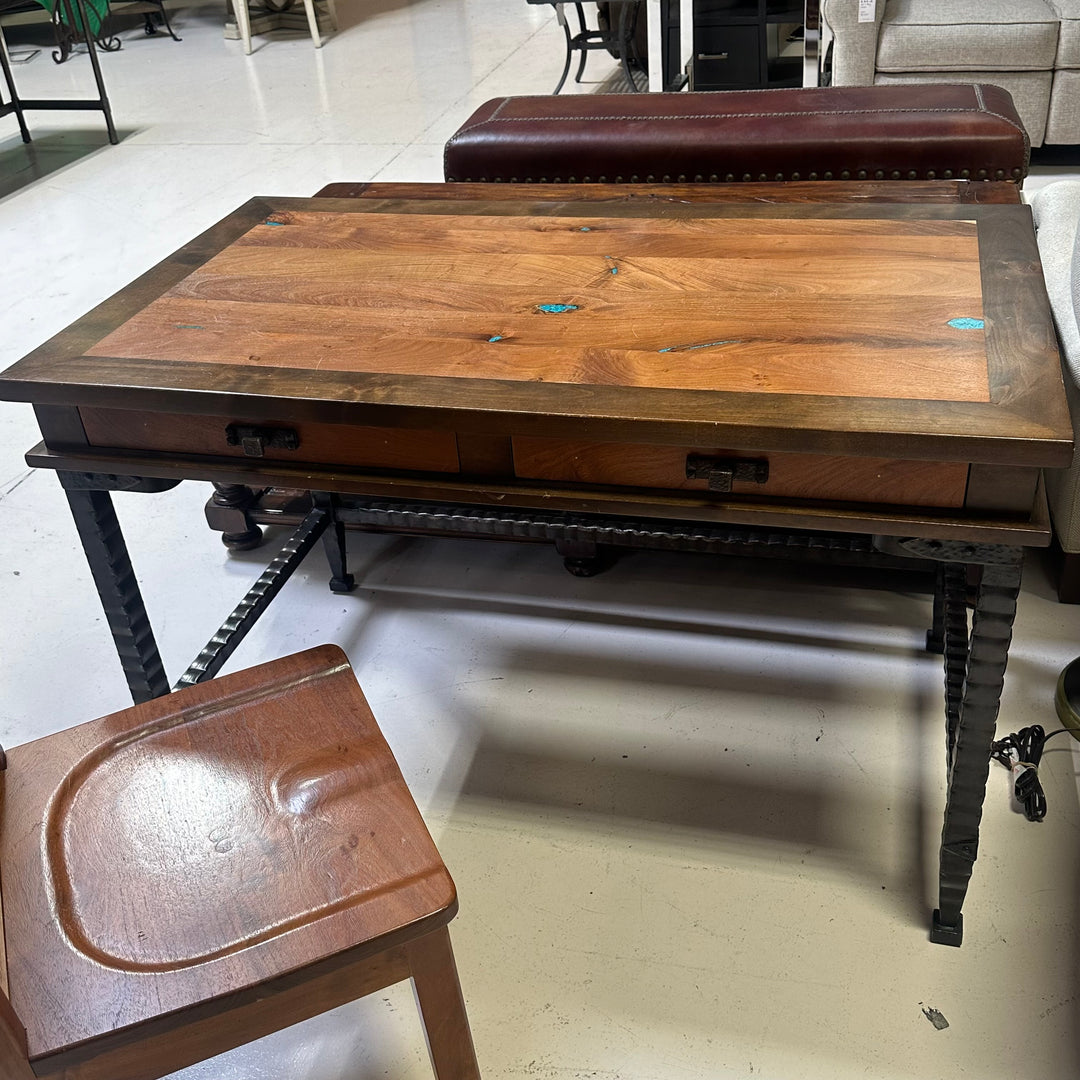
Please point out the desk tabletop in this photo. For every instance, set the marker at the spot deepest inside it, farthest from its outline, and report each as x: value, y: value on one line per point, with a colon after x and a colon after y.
x: 918, y: 328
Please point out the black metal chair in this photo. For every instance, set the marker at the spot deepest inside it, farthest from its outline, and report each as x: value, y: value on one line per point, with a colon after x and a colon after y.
x: 618, y: 40
x: 72, y: 14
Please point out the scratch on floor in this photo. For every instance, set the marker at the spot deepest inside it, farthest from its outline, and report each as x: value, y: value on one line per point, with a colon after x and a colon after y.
x: 22, y: 480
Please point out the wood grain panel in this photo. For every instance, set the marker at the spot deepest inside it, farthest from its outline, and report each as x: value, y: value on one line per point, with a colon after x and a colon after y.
x: 841, y: 307
x: 422, y: 234
x: 336, y: 444
x: 796, y: 476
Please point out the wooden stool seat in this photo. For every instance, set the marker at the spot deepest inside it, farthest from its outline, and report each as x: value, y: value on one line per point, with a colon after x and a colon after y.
x: 248, y: 839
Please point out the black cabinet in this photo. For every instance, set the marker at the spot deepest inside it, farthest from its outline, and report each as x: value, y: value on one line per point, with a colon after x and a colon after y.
x: 737, y: 44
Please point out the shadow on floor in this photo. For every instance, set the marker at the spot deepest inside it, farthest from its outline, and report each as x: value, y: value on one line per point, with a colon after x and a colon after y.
x: 22, y: 164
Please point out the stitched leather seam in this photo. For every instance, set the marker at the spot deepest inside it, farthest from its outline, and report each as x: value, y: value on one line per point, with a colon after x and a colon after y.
x: 480, y: 123
x: 1000, y: 116
x: 713, y: 116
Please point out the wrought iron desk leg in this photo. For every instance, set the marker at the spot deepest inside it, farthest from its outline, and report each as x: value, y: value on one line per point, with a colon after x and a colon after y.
x: 935, y: 636
x: 341, y: 581
x: 107, y: 554
x: 256, y: 600
x: 987, y: 654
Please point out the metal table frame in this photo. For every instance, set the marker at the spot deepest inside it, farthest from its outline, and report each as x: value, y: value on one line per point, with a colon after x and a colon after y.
x: 975, y: 651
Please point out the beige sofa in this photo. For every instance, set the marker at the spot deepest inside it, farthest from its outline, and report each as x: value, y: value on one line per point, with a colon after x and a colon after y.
x: 1057, y: 222
x: 1030, y: 47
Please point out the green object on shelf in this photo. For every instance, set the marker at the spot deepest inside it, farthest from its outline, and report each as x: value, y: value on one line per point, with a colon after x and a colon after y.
x: 96, y: 10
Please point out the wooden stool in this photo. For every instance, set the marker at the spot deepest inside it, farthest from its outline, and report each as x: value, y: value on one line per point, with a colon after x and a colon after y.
x: 195, y: 872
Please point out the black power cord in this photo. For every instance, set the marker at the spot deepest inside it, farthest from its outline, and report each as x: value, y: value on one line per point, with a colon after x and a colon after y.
x: 1021, y: 752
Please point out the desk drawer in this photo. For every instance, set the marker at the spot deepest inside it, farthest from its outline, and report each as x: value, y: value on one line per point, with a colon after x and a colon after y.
x: 794, y: 476
x: 325, y: 444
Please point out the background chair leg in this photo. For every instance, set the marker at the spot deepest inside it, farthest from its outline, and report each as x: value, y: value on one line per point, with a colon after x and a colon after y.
x: 565, y: 24
x: 313, y: 22
x: 442, y: 1008
x: 243, y: 23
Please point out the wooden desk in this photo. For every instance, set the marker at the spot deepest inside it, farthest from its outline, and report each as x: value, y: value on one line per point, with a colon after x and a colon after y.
x: 678, y: 365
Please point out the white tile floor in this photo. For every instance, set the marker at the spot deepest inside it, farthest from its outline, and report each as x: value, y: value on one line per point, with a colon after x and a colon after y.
x: 691, y: 805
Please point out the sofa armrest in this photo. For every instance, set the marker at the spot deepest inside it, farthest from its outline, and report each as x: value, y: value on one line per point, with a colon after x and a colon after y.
x: 854, y: 50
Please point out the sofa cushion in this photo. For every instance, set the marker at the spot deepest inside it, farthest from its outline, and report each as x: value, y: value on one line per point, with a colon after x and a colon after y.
x: 1068, y: 54
x: 1030, y: 91
x: 968, y: 35
x: 1063, y: 119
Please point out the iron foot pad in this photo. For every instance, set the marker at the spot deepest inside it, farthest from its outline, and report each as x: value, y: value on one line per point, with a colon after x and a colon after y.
x: 940, y: 934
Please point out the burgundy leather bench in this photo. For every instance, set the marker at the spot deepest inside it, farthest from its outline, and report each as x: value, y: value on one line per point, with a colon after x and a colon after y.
x: 909, y: 132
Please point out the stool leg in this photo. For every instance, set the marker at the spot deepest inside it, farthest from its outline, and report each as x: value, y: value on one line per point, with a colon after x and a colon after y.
x: 331, y: 10
x: 313, y: 22
x: 442, y: 1008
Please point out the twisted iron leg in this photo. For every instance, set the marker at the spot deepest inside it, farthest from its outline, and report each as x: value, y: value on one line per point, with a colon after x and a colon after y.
x: 987, y: 654
x: 107, y: 555
x: 257, y: 599
x: 955, y: 645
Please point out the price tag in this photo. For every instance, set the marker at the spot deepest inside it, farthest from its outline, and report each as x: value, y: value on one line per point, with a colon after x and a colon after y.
x: 867, y: 10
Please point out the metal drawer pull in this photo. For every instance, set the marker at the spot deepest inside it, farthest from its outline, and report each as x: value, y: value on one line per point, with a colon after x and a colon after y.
x: 722, y: 472
x: 712, y: 56
x: 254, y: 440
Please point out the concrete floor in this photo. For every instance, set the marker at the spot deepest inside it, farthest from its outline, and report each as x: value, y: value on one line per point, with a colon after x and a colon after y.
x: 691, y: 805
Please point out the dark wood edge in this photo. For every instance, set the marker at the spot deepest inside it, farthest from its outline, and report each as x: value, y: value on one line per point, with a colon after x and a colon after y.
x: 914, y: 191
x: 868, y: 427
x: 583, y: 200
x: 1019, y: 530
x: 85, y: 332
x: 1024, y: 361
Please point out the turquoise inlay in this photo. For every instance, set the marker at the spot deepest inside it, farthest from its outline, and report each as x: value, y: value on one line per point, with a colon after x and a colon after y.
x: 556, y: 309
x: 967, y: 324
x: 703, y: 345
x: 273, y: 222
x: 495, y: 337
x: 585, y: 228
x: 189, y: 326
